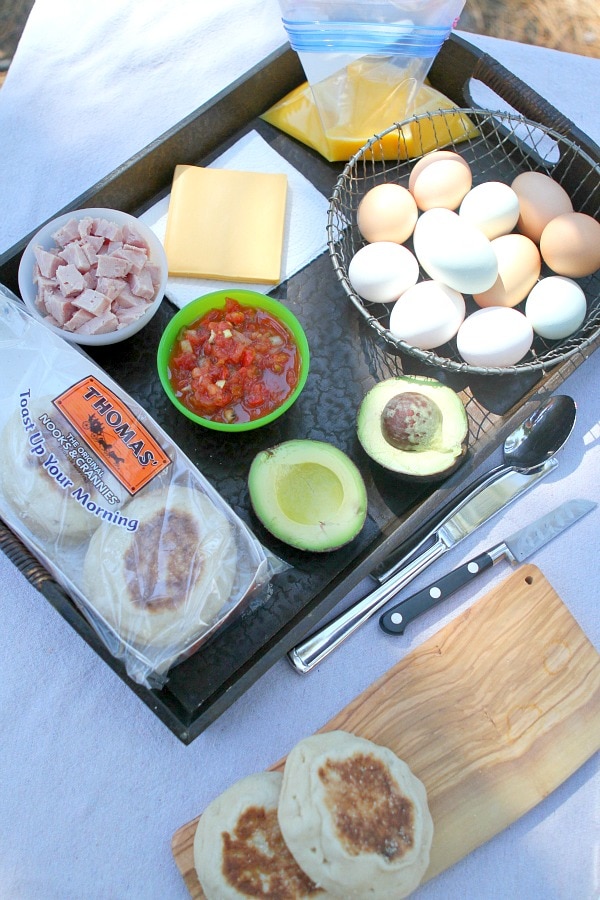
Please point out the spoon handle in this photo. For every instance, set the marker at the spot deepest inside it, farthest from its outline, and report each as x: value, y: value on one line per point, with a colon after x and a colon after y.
x: 398, y: 558
x: 306, y: 655
x: 483, y: 504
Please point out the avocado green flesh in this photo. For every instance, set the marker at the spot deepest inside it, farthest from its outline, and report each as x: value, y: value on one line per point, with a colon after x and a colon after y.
x: 308, y: 494
x: 444, y: 450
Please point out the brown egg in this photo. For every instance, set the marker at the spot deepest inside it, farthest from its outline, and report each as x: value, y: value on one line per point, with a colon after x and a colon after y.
x: 570, y: 245
x: 440, y: 179
x: 541, y: 199
x: 387, y: 212
x: 519, y: 266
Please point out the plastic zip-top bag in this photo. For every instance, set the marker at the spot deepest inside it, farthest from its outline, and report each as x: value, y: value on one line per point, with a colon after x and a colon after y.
x: 149, y: 552
x: 365, y: 60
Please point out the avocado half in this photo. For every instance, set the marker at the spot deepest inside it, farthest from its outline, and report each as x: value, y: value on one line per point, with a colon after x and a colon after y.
x: 414, y: 426
x: 308, y: 494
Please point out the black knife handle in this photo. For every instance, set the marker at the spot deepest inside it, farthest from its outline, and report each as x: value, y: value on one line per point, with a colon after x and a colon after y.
x: 395, y: 620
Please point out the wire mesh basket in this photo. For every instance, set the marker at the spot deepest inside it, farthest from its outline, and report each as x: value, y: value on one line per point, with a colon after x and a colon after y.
x: 505, y: 144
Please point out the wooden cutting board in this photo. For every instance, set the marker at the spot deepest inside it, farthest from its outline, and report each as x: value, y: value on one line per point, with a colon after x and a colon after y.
x: 492, y: 713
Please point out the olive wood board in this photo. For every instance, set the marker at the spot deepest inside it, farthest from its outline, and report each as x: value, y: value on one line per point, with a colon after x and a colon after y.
x: 492, y: 713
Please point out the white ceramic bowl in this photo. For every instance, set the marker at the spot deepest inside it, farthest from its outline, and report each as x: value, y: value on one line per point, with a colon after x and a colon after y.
x: 44, y: 238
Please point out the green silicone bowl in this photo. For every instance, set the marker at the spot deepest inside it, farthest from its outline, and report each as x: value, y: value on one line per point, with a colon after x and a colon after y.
x: 216, y: 300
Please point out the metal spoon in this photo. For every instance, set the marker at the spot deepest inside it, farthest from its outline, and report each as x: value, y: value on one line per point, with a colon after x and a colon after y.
x: 542, y: 434
x: 528, y: 456
x: 537, y: 439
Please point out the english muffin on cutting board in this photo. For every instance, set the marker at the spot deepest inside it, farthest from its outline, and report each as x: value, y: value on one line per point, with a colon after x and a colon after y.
x: 346, y: 819
x: 239, y: 850
x: 491, y: 713
x: 355, y: 817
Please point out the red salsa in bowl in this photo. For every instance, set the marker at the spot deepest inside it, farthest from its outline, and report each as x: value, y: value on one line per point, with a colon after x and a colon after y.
x: 237, y: 361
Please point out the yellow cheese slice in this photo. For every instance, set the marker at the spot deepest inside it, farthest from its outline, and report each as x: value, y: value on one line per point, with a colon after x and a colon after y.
x: 226, y: 224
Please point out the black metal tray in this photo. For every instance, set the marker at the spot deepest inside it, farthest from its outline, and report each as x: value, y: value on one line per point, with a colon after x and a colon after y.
x: 346, y: 359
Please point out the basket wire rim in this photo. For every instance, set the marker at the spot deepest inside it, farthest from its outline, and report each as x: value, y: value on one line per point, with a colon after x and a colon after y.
x: 429, y: 356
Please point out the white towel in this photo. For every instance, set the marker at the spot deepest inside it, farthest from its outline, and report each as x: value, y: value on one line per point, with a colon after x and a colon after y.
x: 92, y: 84
x: 305, y: 219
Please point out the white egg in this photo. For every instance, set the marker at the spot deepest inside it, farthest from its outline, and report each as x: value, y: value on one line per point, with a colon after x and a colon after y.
x: 556, y: 307
x: 494, y: 336
x: 493, y: 207
x: 453, y: 251
x: 427, y: 315
x: 381, y: 271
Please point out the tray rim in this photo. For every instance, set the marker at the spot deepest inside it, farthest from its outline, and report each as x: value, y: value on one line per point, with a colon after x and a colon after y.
x: 351, y: 173
x: 281, y: 68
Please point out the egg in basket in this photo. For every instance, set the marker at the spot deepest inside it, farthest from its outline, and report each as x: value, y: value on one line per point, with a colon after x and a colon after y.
x: 481, y: 257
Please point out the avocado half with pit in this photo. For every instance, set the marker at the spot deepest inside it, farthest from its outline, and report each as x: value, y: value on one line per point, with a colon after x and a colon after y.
x: 308, y: 494
x: 414, y: 426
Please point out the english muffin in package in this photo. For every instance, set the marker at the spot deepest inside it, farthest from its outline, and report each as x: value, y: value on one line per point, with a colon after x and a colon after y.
x: 149, y: 552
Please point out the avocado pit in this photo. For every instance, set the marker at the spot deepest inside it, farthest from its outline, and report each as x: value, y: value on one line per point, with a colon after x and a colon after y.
x: 411, y: 421
x: 414, y: 426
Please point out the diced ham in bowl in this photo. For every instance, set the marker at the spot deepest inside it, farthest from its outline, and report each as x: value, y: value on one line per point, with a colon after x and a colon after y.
x: 96, y: 276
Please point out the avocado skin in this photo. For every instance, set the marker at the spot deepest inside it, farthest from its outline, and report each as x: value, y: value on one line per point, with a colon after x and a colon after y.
x: 432, y: 463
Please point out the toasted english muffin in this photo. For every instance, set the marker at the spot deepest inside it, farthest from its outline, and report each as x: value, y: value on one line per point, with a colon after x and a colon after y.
x: 239, y: 850
x: 165, y: 577
x: 355, y: 817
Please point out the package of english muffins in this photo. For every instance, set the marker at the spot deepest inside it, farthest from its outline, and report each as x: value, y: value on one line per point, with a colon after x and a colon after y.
x: 149, y: 552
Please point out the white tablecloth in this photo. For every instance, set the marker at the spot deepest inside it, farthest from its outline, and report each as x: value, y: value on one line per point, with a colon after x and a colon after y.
x: 93, y: 786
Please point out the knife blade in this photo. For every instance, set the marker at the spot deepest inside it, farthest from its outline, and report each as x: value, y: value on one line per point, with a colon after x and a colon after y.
x: 477, y: 507
x: 516, y: 548
x: 525, y: 448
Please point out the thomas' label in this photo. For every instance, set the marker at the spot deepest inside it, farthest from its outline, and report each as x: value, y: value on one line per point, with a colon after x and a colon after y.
x: 111, y: 430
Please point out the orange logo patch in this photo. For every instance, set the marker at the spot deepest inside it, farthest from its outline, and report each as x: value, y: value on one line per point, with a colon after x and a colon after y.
x: 111, y: 430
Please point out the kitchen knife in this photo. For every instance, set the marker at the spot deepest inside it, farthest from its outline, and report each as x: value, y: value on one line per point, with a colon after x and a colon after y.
x: 516, y: 548
x: 487, y: 499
